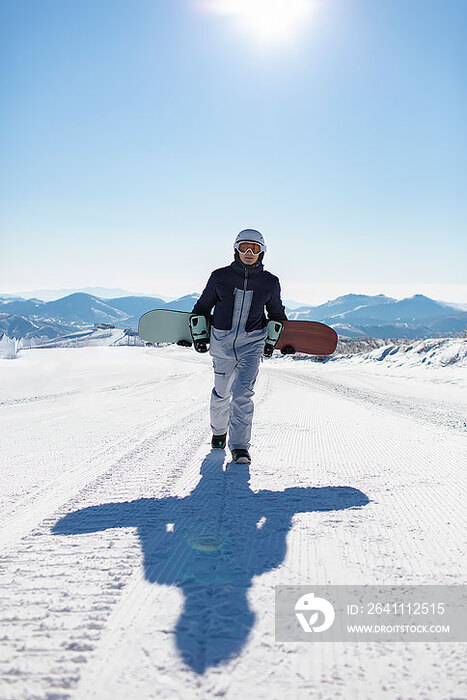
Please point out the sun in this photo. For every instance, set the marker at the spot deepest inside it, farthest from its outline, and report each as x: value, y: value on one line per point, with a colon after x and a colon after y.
x: 269, y: 21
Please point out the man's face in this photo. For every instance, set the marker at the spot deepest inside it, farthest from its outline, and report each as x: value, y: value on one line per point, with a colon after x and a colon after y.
x: 248, y: 258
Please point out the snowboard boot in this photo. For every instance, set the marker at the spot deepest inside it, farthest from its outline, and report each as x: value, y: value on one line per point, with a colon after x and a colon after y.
x: 241, y: 456
x: 218, y: 442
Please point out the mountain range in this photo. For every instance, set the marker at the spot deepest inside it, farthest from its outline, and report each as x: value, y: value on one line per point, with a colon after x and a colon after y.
x: 101, y: 292
x: 351, y: 315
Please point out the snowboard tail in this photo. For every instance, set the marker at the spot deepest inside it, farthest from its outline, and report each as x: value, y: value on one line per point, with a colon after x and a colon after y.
x: 309, y: 337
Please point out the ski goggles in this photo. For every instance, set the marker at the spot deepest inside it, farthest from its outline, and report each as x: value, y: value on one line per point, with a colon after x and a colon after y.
x: 255, y: 248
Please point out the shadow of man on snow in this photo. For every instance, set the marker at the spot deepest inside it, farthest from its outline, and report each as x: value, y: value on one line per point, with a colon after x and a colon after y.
x: 210, y: 544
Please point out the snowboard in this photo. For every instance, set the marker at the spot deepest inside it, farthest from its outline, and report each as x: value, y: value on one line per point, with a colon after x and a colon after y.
x: 166, y: 326
x: 309, y: 337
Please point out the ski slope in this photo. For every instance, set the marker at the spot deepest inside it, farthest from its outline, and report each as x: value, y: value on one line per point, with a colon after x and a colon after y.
x: 138, y: 563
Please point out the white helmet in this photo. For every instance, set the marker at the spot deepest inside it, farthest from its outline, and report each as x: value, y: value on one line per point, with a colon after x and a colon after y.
x: 250, y: 234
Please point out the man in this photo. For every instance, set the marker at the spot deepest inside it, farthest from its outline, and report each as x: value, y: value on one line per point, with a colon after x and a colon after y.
x: 239, y: 293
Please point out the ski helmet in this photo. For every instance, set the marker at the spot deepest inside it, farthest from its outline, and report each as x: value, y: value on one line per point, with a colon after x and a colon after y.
x: 250, y: 234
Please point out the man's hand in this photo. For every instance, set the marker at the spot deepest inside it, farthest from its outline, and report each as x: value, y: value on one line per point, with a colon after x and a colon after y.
x: 288, y: 350
x: 201, y: 345
x: 268, y: 350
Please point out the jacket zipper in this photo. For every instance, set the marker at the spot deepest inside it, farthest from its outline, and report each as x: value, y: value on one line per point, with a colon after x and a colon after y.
x: 240, y: 316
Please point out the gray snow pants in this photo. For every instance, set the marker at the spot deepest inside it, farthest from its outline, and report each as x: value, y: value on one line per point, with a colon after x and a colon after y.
x: 235, y: 357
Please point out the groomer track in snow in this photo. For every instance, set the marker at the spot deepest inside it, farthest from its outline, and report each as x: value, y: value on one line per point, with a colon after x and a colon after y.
x: 138, y: 563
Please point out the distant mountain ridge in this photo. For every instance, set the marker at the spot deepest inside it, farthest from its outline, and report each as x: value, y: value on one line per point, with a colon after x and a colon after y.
x: 351, y: 315
x: 36, y: 318
x: 379, y: 316
x: 100, y: 292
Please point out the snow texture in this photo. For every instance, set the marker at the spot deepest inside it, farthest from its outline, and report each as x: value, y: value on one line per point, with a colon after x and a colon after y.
x: 138, y: 563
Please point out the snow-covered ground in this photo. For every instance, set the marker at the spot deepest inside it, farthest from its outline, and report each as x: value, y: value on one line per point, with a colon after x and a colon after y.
x: 136, y: 563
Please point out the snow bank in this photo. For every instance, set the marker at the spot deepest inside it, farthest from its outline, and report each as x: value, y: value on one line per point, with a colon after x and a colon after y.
x: 433, y: 352
x: 98, y: 337
x: 9, y: 347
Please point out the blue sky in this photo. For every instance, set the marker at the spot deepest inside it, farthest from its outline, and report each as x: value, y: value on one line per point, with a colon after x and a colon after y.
x: 138, y: 137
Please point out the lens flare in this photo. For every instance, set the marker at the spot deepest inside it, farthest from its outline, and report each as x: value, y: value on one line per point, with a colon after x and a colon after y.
x: 269, y: 21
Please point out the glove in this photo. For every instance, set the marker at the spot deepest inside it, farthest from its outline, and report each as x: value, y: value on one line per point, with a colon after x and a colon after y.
x: 201, y: 345
x: 268, y: 350
x: 184, y: 343
x: 288, y: 350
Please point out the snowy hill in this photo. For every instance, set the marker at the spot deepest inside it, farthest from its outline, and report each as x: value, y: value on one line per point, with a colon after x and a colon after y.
x: 79, y: 310
x: 185, y: 303
x: 83, y: 308
x: 433, y: 352
x: 16, y: 326
x: 136, y: 306
x: 336, y: 307
x: 418, y: 308
x: 23, y: 307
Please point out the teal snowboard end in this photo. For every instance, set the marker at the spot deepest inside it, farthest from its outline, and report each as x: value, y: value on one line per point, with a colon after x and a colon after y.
x: 165, y: 326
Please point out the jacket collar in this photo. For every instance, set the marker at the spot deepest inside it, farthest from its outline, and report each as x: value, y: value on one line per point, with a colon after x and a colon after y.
x: 240, y: 267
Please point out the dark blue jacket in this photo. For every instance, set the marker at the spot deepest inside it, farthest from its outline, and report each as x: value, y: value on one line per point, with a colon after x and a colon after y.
x: 220, y: 293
